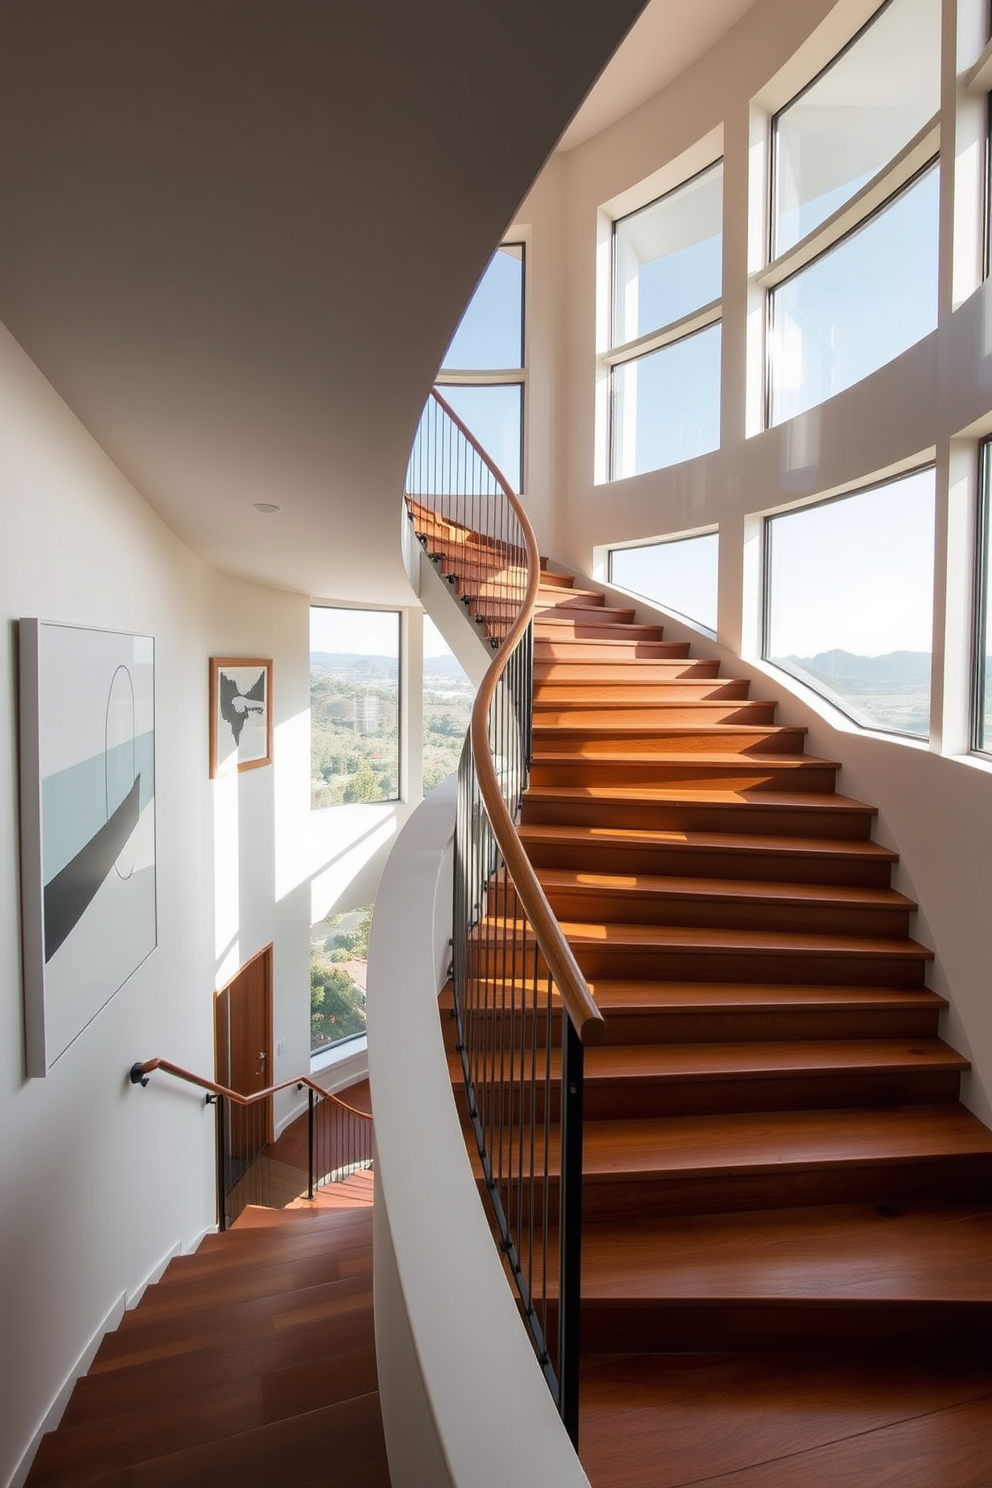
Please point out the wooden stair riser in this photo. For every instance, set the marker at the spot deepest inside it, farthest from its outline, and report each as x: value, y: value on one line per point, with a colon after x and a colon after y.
x: 179, y: 1376
x: 555, y: 647
x: 650, y: 675
x: 572, y: 771
x: 609, y: 1100
x: 627, y: 1196
x: 751, y: 815
x: 593, y: 903
x: 638, y: 960
x: 561, y: 629
x: 875, y: 1328
x: 649, y: 718
x: 892, y: 1015
x: 604, y: 698
x: 623, y: 734
x: 571, y: 612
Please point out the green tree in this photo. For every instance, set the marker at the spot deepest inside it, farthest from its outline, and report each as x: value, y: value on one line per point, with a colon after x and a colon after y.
x: 363, y: 785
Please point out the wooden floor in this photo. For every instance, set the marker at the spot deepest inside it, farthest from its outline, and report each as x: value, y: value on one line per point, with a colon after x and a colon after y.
x: 252, y: 1361
x: 802, y: 1420
x: 787, y: 1213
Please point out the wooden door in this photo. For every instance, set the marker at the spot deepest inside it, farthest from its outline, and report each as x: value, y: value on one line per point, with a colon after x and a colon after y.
x: 243, y: 1040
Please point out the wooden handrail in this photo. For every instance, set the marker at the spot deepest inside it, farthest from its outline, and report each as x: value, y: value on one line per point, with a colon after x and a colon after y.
x: 139, y: 1075
x: 586, y: 1017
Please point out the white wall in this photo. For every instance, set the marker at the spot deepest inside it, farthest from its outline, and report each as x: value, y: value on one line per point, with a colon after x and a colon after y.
x: 100, y: 1181
x: 935, y: 806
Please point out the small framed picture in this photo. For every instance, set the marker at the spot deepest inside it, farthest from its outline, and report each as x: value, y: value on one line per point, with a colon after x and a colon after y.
x: 240, y: 714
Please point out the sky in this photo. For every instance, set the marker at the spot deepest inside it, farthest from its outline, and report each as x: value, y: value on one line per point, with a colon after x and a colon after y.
x: 366, y: 632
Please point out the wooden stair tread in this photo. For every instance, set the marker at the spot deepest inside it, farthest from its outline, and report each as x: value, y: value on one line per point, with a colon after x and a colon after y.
x: 777, y: 1140
x: 740, y: 1420
x: 173, y: 1376
x: 616, y: 934
x: 187, y: 1326
x: 748, y: 890
x: 624, y: 728
x: 702, y: 1062
x: 785, y: 800
x: 320, y: 1446
x: 613, y: 995
x: 551, y: 670
x: 737, y: 842
x: 680, y: 1063
x: 913, y: 1253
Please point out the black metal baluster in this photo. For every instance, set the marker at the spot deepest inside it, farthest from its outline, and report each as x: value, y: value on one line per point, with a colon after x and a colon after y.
x: 310, y: 1143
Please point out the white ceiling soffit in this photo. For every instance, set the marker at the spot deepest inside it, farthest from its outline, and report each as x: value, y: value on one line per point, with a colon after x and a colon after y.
x: 668, y: 38
x: 238, y: 236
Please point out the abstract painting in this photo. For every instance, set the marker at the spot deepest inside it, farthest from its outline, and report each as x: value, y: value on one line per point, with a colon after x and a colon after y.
x: 240, y: 714
x: 88, y: 893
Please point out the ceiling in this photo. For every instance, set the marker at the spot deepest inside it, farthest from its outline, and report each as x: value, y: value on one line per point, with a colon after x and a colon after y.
x: 667, y: 38
x: 238, y: 235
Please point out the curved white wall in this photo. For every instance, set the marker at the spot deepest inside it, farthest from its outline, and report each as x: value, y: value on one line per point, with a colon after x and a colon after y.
x: 935, y: 803
x: 463, y: 1399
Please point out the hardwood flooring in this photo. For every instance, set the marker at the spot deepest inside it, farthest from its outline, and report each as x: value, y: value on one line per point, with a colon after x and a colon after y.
x: 250, y: 1361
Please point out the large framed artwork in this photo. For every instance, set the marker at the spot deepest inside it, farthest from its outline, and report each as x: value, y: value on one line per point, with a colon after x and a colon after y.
x: 87, y: 772
x: 240, y: 714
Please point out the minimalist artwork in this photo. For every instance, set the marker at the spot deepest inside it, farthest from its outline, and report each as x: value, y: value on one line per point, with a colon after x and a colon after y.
x: 87, y: 730
x: 240, y: 714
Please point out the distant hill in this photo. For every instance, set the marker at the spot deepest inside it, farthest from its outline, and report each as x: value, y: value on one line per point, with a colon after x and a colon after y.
x: 901, y: 669
x: 383, y: 668
x: 354, y: 665
x: 443, y: 666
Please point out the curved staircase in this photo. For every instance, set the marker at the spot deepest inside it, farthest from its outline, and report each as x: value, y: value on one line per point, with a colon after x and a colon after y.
x: 787, y: 1212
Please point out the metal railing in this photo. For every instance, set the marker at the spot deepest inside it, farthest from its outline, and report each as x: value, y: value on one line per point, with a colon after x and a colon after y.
x: 338, y: 1142
x: 522, y: 1008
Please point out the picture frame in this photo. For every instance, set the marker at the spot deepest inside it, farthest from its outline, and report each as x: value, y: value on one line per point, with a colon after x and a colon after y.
x: 87, y: 824
x: 240, y: 713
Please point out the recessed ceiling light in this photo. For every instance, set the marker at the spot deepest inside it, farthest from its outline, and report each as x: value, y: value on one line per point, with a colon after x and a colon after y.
x: 266, y: 506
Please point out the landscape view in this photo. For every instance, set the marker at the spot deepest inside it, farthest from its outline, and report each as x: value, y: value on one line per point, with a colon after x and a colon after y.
x: 354, y: 733
x: 889, y: 692
x: 339, y: 953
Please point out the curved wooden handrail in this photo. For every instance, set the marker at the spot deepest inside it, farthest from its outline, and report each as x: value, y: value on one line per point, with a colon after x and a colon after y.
x: 586, y: 1017
x: 140, y: 1071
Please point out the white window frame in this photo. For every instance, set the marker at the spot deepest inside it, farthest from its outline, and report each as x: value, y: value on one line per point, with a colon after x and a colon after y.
x: 628, y: 352
x: 916, y: 157
x: 505, y: 376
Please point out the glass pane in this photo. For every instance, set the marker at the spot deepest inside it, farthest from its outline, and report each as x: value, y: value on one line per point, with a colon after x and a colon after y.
x: 448, y: 699
x: 858, y: 305
x: 339, y: 953
x: 855, y: 117
x: 666, y: 405
x: 354, y: 705
x: 681, y: 575
x: 495, y: 417
x: 850, y: 601
x: 669, y: 257
x: 490, y: 335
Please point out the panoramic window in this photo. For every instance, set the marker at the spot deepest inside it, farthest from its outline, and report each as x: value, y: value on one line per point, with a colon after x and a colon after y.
x: 854, y: 211
x: 664, y: 357
x: 849, y: 601
x: 448, y: 699
x: 354, y: 705
x: 483, y: 373
x: 680, y: 574
x: 339, y: 953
